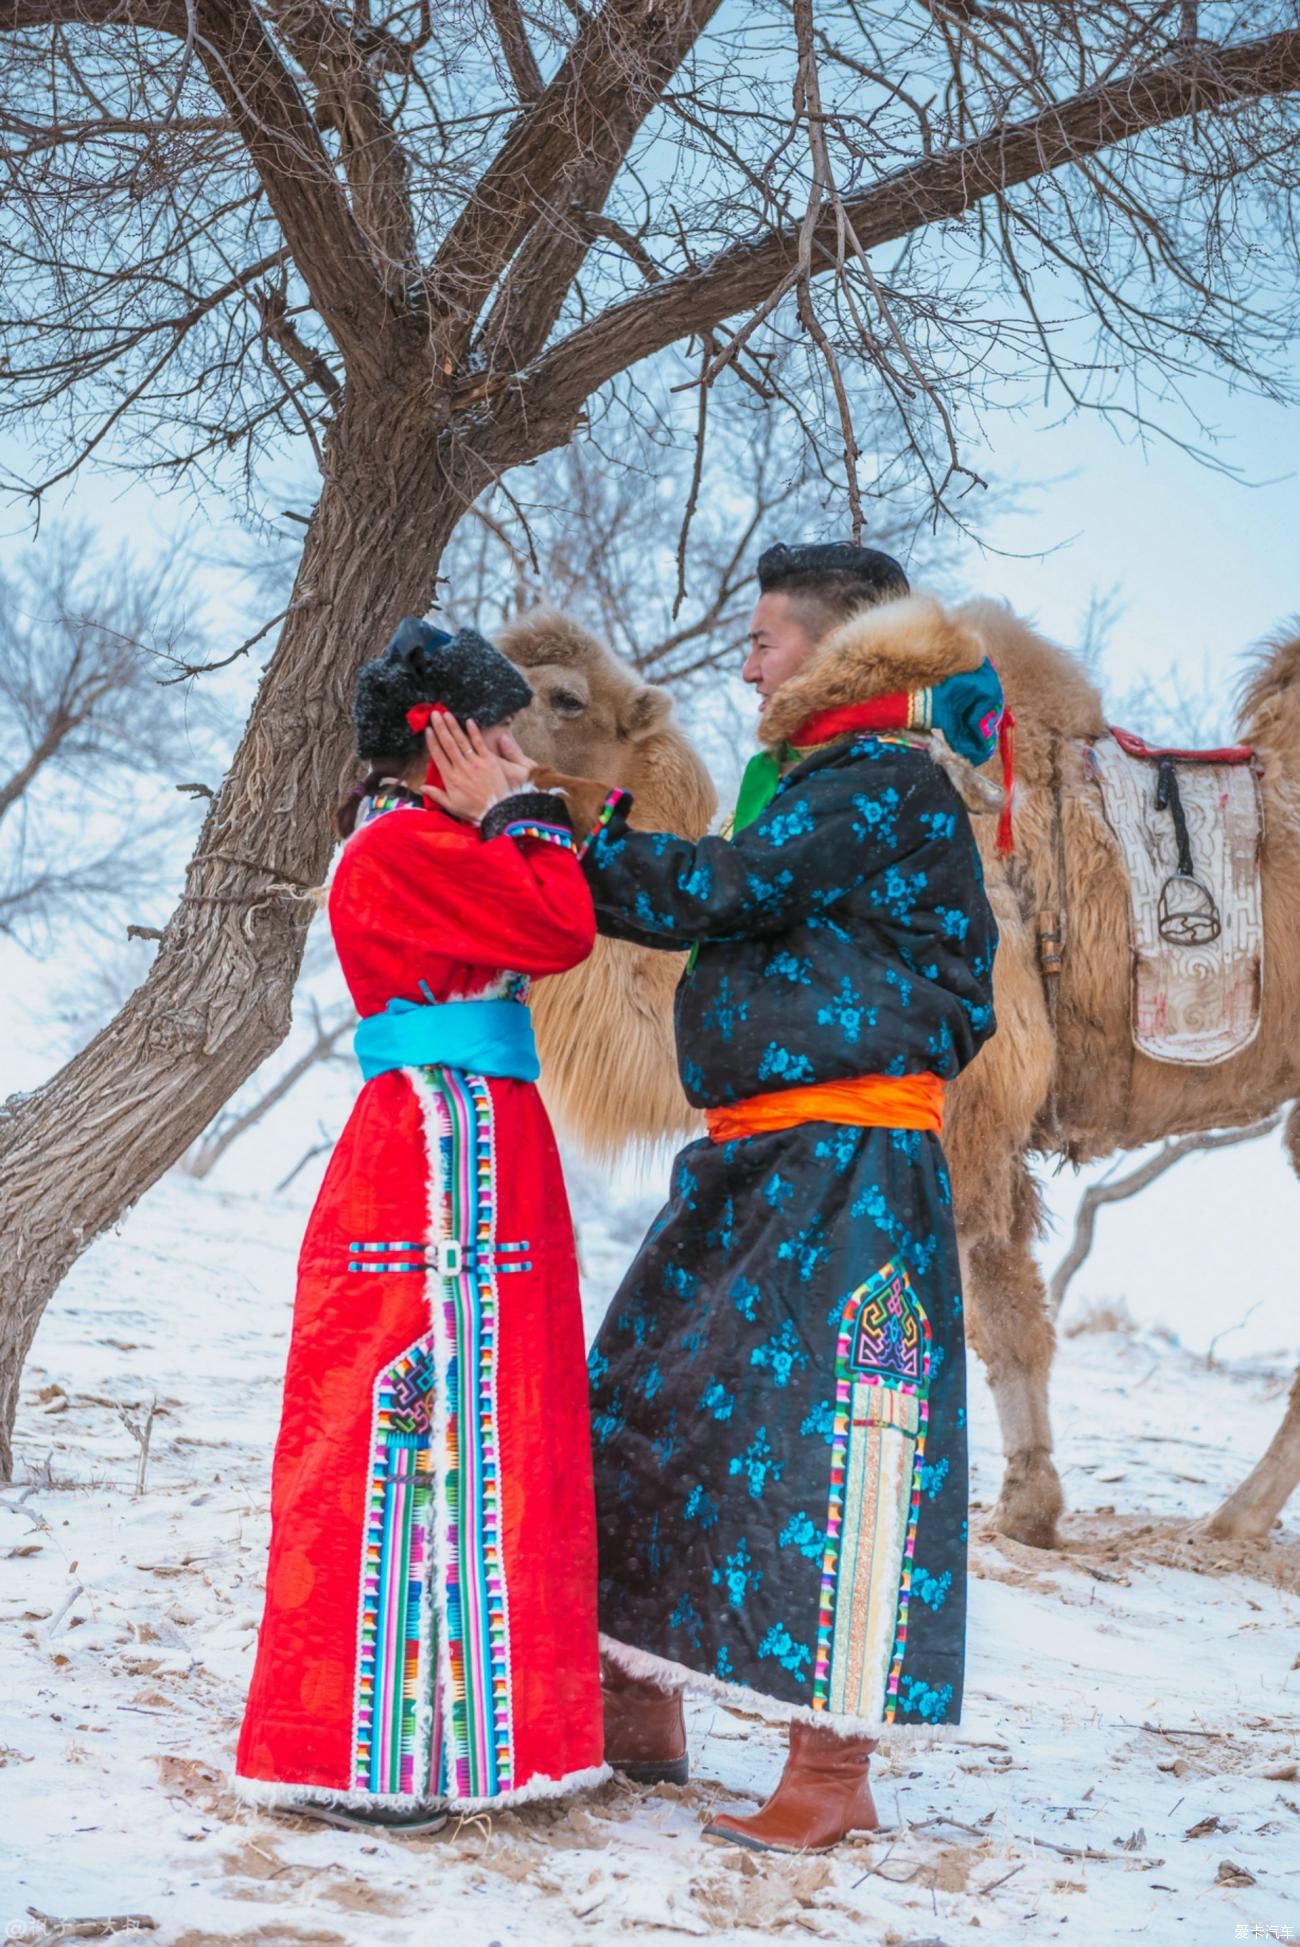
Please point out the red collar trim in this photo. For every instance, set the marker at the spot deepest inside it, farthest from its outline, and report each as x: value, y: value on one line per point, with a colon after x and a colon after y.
x: 881, y: 713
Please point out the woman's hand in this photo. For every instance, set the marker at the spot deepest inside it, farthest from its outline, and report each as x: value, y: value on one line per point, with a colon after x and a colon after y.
x: 474, y: 778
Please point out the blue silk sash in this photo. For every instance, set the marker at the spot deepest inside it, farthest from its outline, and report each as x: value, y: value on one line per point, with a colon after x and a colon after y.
x: 481, y: 1037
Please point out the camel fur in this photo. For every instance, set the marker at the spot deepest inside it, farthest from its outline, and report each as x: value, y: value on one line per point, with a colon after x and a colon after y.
x: 605, y: 1030
x: 1073, y: 1085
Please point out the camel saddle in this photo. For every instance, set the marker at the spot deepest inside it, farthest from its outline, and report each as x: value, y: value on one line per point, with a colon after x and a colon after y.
x: 1188, y: 824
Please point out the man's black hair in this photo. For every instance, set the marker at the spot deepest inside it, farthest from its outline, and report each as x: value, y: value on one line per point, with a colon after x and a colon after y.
x: 838, y: 570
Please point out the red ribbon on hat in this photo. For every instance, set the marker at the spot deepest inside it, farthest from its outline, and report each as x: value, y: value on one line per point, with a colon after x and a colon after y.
x: 419, y: 717
x: 419, y: 714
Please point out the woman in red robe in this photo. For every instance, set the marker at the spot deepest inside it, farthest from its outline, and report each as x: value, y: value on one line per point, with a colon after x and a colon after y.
x: 429, y: 1639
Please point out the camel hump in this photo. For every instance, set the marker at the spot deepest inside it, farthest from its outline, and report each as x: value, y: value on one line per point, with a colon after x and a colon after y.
x: 1268, y: 706
x: 1047, y: 687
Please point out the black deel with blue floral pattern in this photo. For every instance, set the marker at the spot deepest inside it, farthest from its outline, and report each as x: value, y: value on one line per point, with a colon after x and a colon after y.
x: 778, y: 1387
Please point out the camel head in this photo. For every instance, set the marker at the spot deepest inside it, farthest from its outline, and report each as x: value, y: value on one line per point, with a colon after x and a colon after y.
x: 593, y: 716
x: 604, y: 1030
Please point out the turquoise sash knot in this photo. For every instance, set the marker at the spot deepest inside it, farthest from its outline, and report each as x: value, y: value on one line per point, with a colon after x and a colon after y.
x: 482, y: 1037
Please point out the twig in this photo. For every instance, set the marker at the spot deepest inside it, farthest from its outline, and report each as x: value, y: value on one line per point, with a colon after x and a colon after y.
x: 187, y: 670
x: 993, y: 1885
x: 975, y: 1831
x: 1115, y: 1189
x: 275, y: 872
x: 692, y: 498
x: 1087, y: 1852
x: 1166, y: 1730
x: 1228, y: 1331
x: 317, y: 1149
x: 52, y: 1626
x: 142, y: 1436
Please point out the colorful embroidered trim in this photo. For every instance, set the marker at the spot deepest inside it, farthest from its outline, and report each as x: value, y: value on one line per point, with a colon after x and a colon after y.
x: 417, y: 1257
x: 549, y: 834
x: 477, y: 1734
x: 382, y: 801
x: 394, y: 1663
x: 617, y: 800
x: 882, y: 1374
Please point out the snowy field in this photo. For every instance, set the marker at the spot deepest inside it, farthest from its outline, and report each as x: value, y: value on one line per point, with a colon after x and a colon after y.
x: 1127, y: 1766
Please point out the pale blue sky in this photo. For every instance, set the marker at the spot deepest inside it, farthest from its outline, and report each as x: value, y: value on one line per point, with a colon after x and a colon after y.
x: 1205, y: 565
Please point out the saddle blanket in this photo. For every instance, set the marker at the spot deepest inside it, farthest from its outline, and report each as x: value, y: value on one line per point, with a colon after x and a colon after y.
x: 1198, y: 936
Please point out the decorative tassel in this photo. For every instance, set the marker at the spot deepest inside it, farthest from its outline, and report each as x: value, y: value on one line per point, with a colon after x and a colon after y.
x: 1007, y: 752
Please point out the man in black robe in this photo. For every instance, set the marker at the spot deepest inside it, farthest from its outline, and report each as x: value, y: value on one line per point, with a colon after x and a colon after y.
x: 778, y: 1385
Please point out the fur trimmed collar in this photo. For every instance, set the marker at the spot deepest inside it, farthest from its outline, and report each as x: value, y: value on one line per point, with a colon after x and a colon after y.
x: 909, y: 644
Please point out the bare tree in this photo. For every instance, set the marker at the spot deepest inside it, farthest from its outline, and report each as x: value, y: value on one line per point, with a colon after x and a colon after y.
x: 227, y: 225
x: 327, y: 1032
x: 600, y: 529
x: 87, y: 732
x: 1117, y: 1189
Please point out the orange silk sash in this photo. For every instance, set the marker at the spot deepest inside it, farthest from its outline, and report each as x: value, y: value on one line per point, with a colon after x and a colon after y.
x: 868, y: 1101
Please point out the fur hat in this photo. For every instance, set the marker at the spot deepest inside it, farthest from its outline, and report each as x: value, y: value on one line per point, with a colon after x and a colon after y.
x: 426, y: 665
x: 809, y: 562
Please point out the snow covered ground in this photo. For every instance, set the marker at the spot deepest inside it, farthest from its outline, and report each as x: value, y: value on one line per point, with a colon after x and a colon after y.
x: 1127, y: 1766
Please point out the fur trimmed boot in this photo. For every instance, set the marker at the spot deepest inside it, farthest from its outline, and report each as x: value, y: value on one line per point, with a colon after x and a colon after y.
x: 822, y: 1795
x: 645, y: 1728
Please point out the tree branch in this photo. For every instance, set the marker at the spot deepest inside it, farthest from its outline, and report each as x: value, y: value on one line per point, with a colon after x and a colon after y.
x: 940, y: 187
x: 227, y: 1129
x: 1117, y: 1189
x: 342, y: 63
x: 272, y: 304
x: 520, y: 59
x: 538, y: 281
x: 265, y: 107
x: 47, y: 747
x: 568, y: 146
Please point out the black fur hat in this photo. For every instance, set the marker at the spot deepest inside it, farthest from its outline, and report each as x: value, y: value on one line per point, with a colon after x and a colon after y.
x: 809, y: 562
x: 426, y: 665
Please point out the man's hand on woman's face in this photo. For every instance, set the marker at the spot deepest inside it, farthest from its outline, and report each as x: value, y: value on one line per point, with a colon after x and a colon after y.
x: 518, y: 768
x: 474, y: 777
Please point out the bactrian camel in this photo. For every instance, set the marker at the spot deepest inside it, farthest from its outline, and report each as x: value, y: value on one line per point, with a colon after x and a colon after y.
x: 1062, y: 1080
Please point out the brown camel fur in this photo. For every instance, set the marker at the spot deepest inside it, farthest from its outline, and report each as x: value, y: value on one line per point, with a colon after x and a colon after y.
x: 605, y: 1031
x: 1102, y: 1095
x: 911, y: 641
x: 1075, y: 1085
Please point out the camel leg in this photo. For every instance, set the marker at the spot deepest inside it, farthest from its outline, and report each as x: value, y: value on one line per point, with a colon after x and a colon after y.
x: 1249, y: 1513
x: 1011, y: 1331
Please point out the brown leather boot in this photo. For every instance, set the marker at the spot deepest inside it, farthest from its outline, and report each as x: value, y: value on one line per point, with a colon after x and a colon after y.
x: 822, y: 1795
x: 645, y: 1728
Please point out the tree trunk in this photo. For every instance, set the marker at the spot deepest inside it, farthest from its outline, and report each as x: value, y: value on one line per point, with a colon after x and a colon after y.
x: 78, y: 1152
